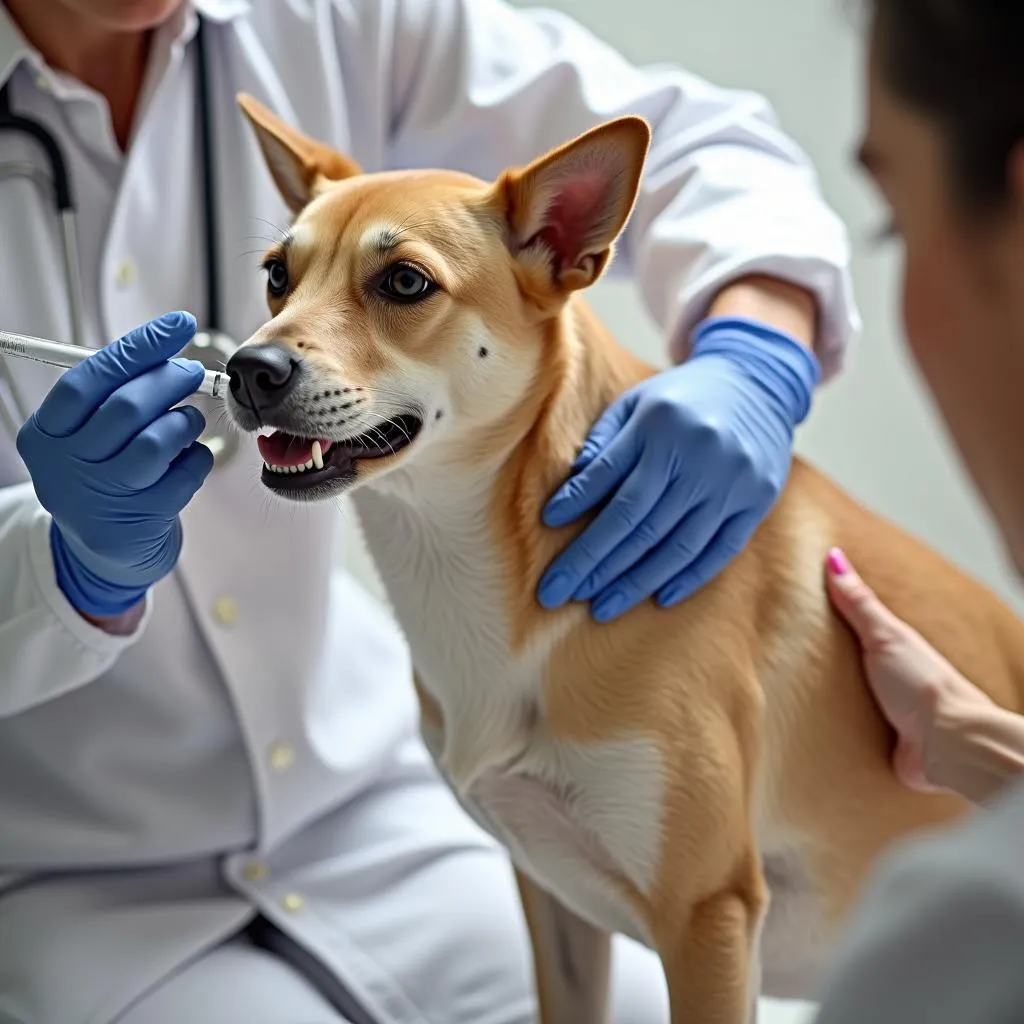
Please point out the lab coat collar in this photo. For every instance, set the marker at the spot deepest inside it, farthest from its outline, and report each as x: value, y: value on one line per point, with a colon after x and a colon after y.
x: 15, y: 48
x: 222, y: 10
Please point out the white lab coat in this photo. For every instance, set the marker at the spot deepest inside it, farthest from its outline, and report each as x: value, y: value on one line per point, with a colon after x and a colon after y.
x: 251, y: 748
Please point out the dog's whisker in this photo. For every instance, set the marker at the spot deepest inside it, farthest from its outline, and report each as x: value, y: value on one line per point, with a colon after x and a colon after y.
x: 280, y: 231
x: 398, y: 426
x: 250, y: 253
x: 269, y: 239
x: 377, y: 432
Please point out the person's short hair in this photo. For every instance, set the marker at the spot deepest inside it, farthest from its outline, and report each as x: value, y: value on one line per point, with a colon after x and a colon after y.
x: 961, y: 64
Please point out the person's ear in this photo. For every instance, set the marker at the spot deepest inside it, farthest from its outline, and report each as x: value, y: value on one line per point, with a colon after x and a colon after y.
x: 565, y: 210
x: 298, y: 164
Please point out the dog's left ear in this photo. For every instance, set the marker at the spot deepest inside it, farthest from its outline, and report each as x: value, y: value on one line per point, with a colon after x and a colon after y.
x: 297, y: 163
x: 566, y: 209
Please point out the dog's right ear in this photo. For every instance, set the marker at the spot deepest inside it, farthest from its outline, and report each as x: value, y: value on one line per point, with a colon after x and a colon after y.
x: 565, y: 210
x: 297, y: 163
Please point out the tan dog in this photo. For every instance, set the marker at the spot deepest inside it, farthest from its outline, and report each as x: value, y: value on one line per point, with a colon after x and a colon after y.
x: 657, y: 776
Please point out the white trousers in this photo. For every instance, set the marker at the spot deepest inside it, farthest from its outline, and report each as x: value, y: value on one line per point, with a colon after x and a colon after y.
x: 401, y: 879
x: 403, y: 898
x: 241, y: 982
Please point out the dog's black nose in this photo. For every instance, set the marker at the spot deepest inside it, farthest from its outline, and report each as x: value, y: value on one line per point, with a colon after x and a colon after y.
x: 261, y: 376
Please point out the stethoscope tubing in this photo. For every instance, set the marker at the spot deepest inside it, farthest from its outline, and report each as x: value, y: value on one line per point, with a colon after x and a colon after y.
x: 63, y: 199
x: 59, y: 185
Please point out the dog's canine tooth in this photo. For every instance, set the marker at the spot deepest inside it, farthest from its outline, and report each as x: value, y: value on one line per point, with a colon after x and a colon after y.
x: 316, y: 455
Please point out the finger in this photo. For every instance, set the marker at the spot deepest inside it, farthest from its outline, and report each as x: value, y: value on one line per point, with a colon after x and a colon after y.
x: 873, y: 623
x: 135, y: 406
x: 635, y: 539
x: 595, y: 482
x: 617, y: 523
x: 83, y: 388
x: 150, y: 453
x: 604, y: 430
x: 181, y: 482
x: 677, y: 551
x: 727, y: 543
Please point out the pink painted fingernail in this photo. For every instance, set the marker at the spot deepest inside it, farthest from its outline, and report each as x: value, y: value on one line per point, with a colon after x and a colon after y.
x: 837, y: 563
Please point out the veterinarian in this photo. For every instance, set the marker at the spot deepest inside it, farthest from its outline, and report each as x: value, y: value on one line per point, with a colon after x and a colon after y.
x: 214, y: 805
x: 939, y: 934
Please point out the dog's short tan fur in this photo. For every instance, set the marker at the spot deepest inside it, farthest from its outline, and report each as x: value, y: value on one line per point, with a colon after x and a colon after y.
x: 746, y: 706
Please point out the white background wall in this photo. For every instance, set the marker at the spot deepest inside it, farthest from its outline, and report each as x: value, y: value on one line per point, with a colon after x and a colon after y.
x: 872, y: 430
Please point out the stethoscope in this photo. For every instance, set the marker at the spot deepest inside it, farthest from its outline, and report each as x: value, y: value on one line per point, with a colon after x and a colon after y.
x: 211, y: 346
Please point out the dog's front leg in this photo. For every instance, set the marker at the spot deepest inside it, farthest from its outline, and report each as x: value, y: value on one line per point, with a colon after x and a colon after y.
x: 712, y: 967
x: 571, y: 957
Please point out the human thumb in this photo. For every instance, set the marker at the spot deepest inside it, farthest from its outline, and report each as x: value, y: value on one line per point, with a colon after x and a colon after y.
x: 873, y: 623
x: 604, y: 431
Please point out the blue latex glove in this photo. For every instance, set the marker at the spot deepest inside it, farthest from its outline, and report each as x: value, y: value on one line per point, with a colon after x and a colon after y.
x: 693, y: 459
x: 114, y: 464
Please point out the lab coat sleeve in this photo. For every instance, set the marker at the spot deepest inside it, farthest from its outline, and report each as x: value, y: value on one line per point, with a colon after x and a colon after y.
x: 938, y: 938
x: 46, y: 647
x: 479, y: 85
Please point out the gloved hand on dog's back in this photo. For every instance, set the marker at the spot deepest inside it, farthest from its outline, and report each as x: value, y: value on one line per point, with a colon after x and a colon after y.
x: 114, y: 464
x: 690, y: 461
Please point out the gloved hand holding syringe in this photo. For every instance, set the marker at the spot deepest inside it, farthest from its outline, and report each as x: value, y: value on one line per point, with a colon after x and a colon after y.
x: 114, y: 458
x: 57, y: 353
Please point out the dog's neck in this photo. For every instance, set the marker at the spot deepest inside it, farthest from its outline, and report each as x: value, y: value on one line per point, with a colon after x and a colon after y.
x: 500, y: 487
x: 461, y: 551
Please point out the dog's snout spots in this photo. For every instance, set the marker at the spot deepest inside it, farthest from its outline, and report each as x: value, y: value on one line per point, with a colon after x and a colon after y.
x: 337, y: 393
x: 438, y: 415
x: 482, y: 352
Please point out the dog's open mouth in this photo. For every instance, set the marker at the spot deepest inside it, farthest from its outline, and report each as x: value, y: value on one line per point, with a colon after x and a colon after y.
x: 292, y: 462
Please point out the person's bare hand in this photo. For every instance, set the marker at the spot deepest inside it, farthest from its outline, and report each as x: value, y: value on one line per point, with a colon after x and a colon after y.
x: 910, y: 680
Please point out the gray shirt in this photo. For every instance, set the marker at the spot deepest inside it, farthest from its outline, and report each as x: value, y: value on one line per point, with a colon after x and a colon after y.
x: 939, y: 935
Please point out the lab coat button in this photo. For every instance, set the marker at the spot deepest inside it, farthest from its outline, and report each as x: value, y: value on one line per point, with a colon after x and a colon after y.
x: 292, y: 902
x: 124, y: 274
x: 254, y: 871
x: 282, y: 756
x: 225, y: 610
x: 42, y: 83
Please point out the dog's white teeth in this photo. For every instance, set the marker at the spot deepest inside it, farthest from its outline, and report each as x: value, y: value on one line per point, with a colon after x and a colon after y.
x: 315, y: 461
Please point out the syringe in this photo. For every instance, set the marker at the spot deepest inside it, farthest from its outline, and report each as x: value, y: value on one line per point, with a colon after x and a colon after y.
x: 56, y: 353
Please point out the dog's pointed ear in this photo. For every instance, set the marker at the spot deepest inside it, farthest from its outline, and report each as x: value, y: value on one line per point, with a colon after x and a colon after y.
x: 296, y: 162
x: 567, y: 208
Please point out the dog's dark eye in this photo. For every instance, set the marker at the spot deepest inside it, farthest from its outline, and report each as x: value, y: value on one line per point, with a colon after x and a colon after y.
x: 404, y: 283
x: 277, y: 277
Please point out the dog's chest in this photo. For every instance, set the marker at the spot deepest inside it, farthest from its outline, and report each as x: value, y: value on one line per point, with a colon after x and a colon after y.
x: 575, y: 816
x: 582, y: 819
x: 445, y: 583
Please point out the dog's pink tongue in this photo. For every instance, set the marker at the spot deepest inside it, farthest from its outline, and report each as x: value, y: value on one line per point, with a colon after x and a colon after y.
x: 281, y: 449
